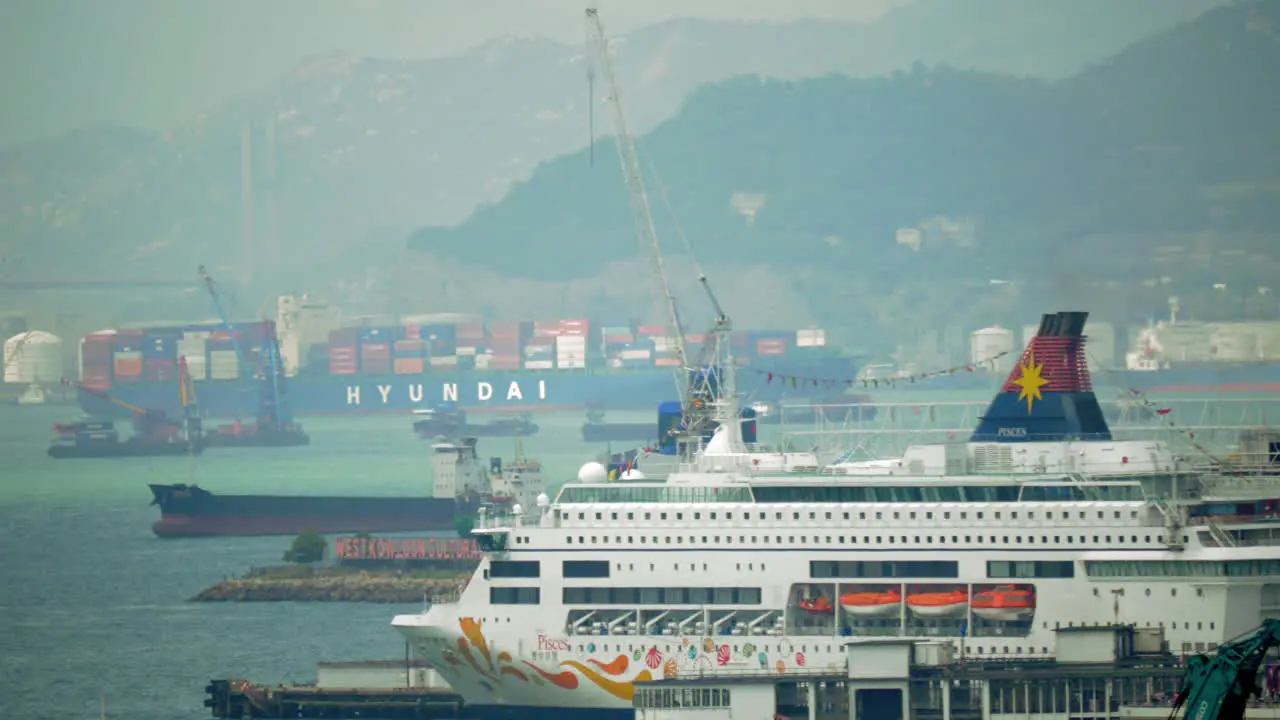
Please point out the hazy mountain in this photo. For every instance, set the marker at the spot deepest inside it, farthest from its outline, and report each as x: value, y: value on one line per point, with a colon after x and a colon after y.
x: 367, y: 149
x: 1158, y: 162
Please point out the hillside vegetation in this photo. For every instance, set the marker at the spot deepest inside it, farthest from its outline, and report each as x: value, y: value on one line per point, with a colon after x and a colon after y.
x: 1070, y: 183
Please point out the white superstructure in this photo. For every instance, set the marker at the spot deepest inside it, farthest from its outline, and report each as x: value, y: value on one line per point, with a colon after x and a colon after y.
x: 991, y: 545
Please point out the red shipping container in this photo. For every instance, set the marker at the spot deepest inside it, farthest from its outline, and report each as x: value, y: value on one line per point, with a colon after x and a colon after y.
x: 342, y: 368
x: 409, y: 366
x: 652, y: 330
x: 501, y: 346
x: 620, y: 339
x: 771, y: 351
x: 505, y: 330
x: 381, y: 366
x: 377, y: 351
x: 667, y: 362
x: 131, y: 332
x: 695, y: 338
x: 412, y: 332
x: 96, y: 351
x: 771, y: 346
x: 410, y: 347
x: 97, y: 380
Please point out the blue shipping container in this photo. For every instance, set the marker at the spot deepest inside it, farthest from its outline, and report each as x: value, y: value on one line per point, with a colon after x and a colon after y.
x: 376, y: 335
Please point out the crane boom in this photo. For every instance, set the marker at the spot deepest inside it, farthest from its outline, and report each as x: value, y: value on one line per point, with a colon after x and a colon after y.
x: 222, y: 315
x: 1217, y: 688
x: 639, y: 199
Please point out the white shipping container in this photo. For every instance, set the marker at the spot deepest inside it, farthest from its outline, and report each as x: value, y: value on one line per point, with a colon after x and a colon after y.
x: 465, y: 351
x: 634, y: 355
x: 223, y: 373
x: 571, y: 364
x: 128, y: 355
x: 811, y: 337
x: 532, y: 350
x: 196, y: 336
x: 444, y: 361
x: 538, y: 364
x: 482, y: 362
x: 197, y: 369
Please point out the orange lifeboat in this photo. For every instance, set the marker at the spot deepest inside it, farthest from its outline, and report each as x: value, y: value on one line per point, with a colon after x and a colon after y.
x: 948, y: 604
x: 818, y: 606
x: 872, y: 604
x: 1006, y: 603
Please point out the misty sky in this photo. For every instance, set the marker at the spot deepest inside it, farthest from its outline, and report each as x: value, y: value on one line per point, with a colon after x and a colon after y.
x: 69, y: 63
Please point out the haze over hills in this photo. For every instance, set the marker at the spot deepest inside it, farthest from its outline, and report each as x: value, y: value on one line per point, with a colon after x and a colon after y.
x: 1156, y: 165
x: 367, y: 150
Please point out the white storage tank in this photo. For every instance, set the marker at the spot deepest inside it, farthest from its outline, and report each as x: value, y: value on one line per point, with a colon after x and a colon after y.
x: 33, y: 357
x: 1234, y: 342
x: 990, y: 342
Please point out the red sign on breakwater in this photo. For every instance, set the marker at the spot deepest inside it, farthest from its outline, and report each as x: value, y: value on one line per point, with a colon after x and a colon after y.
x: 359, y: 548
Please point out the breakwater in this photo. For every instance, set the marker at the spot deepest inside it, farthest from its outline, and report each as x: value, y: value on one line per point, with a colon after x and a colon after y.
x: 335, y: 585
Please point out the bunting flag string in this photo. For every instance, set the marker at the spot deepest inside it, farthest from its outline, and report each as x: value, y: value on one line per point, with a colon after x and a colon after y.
x: 1162, y: 413
x: 798, y: 381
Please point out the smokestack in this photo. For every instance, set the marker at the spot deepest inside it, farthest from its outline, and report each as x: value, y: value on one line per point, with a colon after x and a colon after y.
x: 246, y: 198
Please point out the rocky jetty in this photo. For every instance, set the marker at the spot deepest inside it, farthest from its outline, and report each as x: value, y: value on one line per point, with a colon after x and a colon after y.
x: 322, y: 586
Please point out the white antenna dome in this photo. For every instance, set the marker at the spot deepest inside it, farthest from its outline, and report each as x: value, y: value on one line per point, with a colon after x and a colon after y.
x: 516, y: 509
x: 632, y: 475
x: 592, y: 472
x: 543, y: 500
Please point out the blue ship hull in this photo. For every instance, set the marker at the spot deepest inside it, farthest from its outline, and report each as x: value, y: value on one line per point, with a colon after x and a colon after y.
x: 476, y: 391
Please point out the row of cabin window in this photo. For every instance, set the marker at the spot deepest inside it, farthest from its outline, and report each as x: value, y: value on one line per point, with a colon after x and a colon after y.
x: 1001, y: 569
x: 868, y: 539
x: 533, y: 569
x: 662, y: 596
x: 662, y: 698
x: 579, y: 494
x: 1181, y: 568
x: 877, y: 515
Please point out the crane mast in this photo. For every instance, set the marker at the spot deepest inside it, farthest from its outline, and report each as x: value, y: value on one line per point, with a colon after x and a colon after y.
x: 629, y: 161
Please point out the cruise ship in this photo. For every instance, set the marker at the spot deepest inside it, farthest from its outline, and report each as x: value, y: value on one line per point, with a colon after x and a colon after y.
x: 1041, y: 520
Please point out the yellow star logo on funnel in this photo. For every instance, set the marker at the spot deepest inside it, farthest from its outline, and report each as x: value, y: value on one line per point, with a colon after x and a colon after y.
x: 1030, y: 382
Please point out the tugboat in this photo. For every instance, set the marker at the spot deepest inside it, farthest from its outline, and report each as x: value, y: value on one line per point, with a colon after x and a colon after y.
x: 449, y: 421
x: 274, y: 426
x: 156, y: 434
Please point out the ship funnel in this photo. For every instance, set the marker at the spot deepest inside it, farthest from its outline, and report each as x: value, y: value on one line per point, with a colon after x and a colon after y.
x: 1048, y: 396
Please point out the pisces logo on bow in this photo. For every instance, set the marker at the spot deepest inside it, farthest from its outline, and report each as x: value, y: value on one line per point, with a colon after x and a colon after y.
x: 1030, y: 381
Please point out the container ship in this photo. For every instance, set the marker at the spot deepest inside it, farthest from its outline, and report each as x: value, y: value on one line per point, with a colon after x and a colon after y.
x: 503, y: 366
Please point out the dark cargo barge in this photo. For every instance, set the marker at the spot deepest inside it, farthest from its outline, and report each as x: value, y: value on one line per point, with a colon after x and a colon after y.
x: 399, y: 690
x: 192, y: 511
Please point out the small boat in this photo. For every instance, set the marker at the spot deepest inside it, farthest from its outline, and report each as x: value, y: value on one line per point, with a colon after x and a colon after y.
x: 949, y: 604
x: 872, y: 604
x: 818, y: 606
x: 1006, y: 603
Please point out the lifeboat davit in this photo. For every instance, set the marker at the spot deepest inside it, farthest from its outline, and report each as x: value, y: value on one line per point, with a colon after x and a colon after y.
x: 1005, y: 603
x: 949, y: 604
x: 872, y: 604
x: 818, y: 606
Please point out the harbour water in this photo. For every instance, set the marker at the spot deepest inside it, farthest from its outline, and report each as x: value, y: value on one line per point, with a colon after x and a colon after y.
x: 93, y: 606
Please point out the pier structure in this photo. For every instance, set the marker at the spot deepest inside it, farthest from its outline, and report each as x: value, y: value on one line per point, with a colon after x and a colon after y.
x: 1099, y: 673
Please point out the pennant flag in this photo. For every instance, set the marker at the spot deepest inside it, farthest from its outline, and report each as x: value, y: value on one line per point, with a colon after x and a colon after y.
x: 1164, y: 411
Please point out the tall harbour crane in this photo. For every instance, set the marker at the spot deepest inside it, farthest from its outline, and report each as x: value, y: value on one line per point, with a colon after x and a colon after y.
x: 630, y: 163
